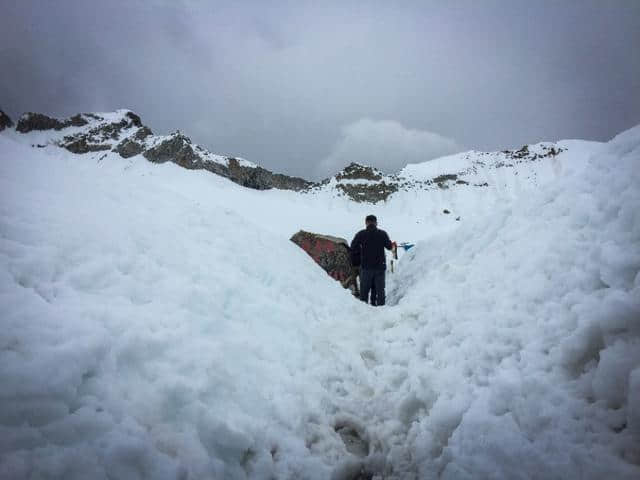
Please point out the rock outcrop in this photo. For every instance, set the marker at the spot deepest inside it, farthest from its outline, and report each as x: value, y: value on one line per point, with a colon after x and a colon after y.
x: 5, y: 121
x: 262, y: 179
x: 362, y: 183
x: 177, y: 149
x: 331, y: 253
x: 99, y: 137
x: 37, y: 121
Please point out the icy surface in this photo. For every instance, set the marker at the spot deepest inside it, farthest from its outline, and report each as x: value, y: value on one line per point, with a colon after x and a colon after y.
x: 157, y: 323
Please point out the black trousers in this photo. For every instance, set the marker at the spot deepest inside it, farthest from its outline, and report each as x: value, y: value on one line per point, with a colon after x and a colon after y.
x: 372, y: 281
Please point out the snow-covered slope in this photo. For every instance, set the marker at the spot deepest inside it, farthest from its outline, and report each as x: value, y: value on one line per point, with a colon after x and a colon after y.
x: 157, y: 323
x: 122, y: 132
x: 509, y: 172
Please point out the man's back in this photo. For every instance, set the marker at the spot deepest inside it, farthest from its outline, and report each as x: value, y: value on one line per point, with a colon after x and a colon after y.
x: 370, y: 243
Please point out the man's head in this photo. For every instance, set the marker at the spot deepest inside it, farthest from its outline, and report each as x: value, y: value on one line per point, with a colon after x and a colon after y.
x: 371, y: 220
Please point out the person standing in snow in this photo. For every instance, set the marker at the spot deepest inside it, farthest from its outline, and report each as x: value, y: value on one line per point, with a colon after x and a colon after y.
x: 352, y: 281
x: 368, y: 245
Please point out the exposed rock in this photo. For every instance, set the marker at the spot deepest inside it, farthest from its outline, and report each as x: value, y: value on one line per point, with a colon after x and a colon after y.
x: 331, y: 253
x: 445, y: 178
x: 523, y: 152
x: 129, y: 148
x: 355, y: 171
x: 142, y: 133
x: 441, y: 180
x: 100, y: 137
x: 135, y: 119
x: 176, y: 149
x: 5, y: 121
x: 285, y: 182
x: 262, y: 179
x: 75, y: 121
x: 82, y: 145
x: 363, y: 184
x: 109, y: 131
x: 445, y: 211
x: 257, y: 178
x: 372, y: 193
x: 37, y: 121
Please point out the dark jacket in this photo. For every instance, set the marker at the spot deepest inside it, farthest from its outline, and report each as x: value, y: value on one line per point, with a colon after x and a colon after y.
x: 368, y: 246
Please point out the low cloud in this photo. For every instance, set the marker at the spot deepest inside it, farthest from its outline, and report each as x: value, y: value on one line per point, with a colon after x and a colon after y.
x: 385, y: 144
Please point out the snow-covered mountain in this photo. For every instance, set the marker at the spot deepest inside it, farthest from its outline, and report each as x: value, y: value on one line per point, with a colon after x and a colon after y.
x: 122, y: 132
x: 158, y: 323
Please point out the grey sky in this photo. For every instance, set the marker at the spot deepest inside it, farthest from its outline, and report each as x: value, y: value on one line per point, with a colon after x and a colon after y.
x: 303, y: 87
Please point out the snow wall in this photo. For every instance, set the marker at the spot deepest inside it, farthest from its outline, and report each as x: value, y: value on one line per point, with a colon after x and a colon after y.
x: 157, y: 323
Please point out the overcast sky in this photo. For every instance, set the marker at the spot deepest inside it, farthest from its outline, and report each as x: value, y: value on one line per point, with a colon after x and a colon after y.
x: 307, y: 87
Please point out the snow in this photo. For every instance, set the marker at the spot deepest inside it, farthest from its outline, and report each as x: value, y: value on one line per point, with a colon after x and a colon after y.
x: 158, y: 323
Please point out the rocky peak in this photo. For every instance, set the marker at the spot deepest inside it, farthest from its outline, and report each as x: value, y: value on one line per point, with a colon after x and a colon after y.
x: 177, y: 149
x: 362, y: 183
x: 5, y: 121
x: 355, y: 171
x: 37, y: 121
x: 122, y: 132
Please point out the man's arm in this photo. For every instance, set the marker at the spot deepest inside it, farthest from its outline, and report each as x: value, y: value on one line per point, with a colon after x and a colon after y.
x: 387, y: 242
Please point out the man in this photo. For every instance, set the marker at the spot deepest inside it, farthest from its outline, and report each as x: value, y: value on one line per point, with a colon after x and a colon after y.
x: 352, y: 281
x: 368, y: 245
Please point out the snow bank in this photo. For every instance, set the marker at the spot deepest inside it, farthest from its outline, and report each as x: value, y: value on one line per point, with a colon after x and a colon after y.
x: 521, y: 333
x: 157, y: 323
x: 149, y: 331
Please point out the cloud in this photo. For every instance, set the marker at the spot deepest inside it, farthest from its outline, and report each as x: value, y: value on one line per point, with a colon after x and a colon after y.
x: 274, y: 81
x: 385, y: 144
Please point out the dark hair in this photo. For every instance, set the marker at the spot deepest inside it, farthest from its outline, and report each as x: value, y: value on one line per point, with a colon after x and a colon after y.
x: 371, y: 219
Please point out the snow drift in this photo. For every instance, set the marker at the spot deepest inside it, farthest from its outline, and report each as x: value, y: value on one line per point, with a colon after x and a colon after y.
x: 158, y: 323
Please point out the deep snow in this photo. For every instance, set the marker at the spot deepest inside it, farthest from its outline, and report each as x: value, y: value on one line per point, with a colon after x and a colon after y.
x: 157, y: 323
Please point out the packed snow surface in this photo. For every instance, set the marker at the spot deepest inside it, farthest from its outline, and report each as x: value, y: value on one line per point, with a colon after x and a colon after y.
x: 157, y: 323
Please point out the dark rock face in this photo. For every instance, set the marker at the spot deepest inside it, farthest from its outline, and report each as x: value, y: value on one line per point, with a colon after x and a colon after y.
x: 262, y: 179
x: 37, y: 121
x: 285, y: 182
x: 372, y: 193
x: 375, y: 188
x: 525, y: 155
x: 355, y: 171
x: 83, y: 145
x: 99, y: 138
x: 176, y: 149
x: 142, y: 133
x: 129, y: 148
x: 331, y: 253
x: 257, y: 178
x: 135, y: 119
x: 5, y: 121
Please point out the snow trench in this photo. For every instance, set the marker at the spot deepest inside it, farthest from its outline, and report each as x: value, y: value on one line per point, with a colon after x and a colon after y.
x: 157, y: 323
